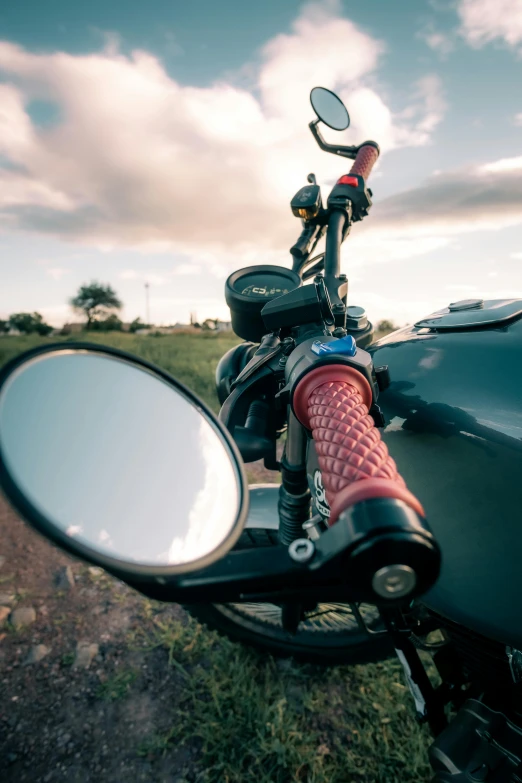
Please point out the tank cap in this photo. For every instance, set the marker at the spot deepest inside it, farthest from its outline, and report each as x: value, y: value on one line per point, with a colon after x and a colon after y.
x: 465, y: 304
x: 470, y: 313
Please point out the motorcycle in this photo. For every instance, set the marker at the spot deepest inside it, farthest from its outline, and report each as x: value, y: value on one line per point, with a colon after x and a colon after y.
x: 345, y: 532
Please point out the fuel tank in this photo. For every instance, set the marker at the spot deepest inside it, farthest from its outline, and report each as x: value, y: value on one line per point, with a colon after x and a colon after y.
x: 454, y: 426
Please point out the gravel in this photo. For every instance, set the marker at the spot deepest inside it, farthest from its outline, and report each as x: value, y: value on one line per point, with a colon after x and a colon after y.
x: 37, y: 653
x: 85, y: 654
x: 22, y: 617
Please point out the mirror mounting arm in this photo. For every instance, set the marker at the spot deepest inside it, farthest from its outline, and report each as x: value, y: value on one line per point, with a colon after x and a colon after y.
x: 332, y: 572
x: 343, y: 151
x: 261, y: 575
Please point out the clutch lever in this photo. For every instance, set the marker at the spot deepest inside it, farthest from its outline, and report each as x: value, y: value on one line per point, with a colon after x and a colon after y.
x: 269, y: 347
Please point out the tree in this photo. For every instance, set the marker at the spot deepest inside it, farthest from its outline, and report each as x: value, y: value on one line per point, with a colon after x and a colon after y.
x: 386, y: 326
x: 110, y: 324
x: 44, y: 329
x: 137, y: 324
x: 4, y: 327
x: 95, y: 300
x: 29, y: 323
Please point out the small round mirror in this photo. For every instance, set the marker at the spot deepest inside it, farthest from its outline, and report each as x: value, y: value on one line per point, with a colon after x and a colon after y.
x: 117, y: 462
x: 329, y: 108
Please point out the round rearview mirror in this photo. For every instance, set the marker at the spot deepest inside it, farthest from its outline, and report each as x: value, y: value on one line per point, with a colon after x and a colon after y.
x: 117, y: 462
x: 329, y: 108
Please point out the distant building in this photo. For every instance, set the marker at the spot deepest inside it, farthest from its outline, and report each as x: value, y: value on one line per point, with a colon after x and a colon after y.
x: 175, y: 328
x: 74, y: 327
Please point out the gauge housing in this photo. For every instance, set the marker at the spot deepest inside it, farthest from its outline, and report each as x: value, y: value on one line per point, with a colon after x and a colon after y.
x: 249, y: 289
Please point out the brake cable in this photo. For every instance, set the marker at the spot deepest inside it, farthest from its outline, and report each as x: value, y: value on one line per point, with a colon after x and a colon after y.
x: 318, y: 267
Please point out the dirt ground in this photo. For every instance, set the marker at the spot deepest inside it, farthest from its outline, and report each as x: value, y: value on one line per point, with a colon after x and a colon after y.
x: 60, y: 717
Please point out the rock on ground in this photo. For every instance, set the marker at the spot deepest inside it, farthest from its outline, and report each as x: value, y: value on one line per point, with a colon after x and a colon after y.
x: 36, y: 653
x: 65, y: 578
x: 24, y: 615
x: 85, y: 653
x: 5, y: 611
x: 7, y: 599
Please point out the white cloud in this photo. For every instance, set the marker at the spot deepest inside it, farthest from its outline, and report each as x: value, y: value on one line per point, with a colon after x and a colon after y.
x: 186, y: 270
x: 476, y: 198
x: 137, y: 160
x: 463, y: 288
x: 505, y: 164
x: 57, y: 315
x: 56, y: 272
x: 441, y: 43
x: 483, y: 21
x: 412, y: 127
x: 143, y: 276
x: 427, y: 218
x: 372, y: 246
x: 400, y: 310
x: 518, y: 119
x: 516, y: 256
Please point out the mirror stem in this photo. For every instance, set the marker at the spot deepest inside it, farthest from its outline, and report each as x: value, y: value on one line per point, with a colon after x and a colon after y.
x: 343, y: 151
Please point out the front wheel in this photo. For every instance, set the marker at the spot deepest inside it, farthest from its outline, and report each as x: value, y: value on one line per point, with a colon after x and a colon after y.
x: 328, y: 635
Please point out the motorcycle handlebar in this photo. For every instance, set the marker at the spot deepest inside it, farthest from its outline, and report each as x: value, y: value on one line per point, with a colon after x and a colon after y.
x: 333, y: 401
x: 365, y: 161
x: 363, y: 487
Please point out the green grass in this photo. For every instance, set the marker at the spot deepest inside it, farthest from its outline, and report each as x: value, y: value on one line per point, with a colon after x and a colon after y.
x: 67, y: 659
x: 192, y: 359
x: 257, y: 720
x: 117, y: 686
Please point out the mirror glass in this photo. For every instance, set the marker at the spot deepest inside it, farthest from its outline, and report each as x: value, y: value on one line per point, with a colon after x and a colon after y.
x: 329, y: 108
x: 113, y: 456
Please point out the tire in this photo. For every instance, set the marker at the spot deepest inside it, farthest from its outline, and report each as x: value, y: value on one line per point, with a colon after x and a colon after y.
x: 330, y: 638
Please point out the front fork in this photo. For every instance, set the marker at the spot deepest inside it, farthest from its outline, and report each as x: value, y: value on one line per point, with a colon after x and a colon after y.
x: 294, y: 505
x: 294, y: 495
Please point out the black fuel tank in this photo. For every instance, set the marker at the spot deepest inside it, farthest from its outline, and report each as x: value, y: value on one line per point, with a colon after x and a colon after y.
x: 454, y: 426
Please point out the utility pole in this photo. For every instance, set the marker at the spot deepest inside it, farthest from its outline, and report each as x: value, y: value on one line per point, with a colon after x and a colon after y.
x: 147, y: 303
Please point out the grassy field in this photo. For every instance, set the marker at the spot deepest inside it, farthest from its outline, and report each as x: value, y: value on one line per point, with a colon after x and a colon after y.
x: 257, y: 719
x: 192, y: 359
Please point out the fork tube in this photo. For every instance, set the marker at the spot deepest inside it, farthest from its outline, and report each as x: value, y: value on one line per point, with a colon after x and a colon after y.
x: 294, y: 494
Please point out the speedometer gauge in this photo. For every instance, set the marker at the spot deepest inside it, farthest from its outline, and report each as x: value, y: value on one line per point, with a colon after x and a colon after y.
x: 249, y: 289
x: 267, y: 291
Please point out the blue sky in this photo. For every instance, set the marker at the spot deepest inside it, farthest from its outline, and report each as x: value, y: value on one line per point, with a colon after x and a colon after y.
x: 162, y: 142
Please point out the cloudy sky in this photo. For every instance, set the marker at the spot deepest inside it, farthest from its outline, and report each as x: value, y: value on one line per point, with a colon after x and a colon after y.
x: 162, y: 142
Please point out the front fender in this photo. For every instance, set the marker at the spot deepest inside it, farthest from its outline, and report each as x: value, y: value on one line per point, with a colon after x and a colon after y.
x: 263, y: 511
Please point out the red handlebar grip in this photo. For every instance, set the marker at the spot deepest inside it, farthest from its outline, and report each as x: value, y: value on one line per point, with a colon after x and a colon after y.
x: 354, y: 461
x: 365, y: 161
